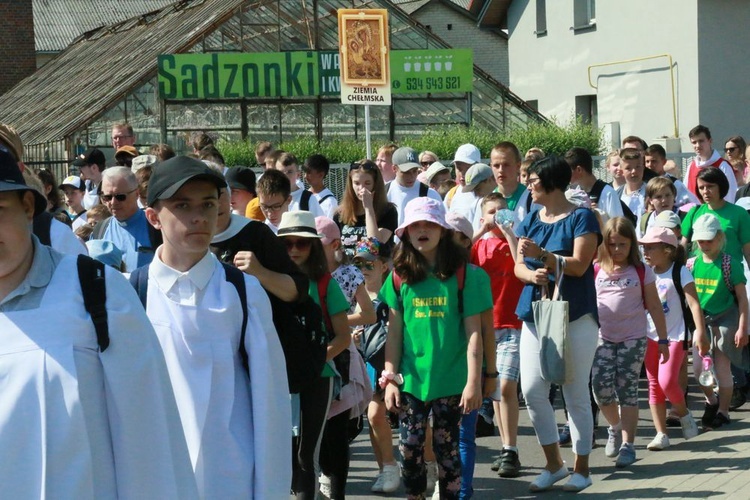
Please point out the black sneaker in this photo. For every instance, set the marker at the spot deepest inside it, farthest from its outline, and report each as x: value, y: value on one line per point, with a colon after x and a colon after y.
x: 709, y: 414
x: 719, y: 420
x: 496, y: 464
x: 510, y: 466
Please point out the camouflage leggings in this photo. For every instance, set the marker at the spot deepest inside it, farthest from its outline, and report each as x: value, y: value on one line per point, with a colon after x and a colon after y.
x: 446, y: 417
x: 616, y: 370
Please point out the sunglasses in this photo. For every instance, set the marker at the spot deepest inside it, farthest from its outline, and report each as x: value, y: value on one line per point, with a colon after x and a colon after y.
x: 364, y: 264
x: 362, y: 165
x: 118, y: 197
x: 730, y: 150
x: 425, y: 163
x: 301, y: 244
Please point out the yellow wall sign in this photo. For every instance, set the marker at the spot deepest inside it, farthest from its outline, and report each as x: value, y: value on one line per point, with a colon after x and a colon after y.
x: 364, y: 56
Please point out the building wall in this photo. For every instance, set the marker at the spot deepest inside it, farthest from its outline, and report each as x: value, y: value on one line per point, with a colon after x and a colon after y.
x: 724, y: 74
x: 553, y: 69
x: 490, y: 49
x: 17, y: 56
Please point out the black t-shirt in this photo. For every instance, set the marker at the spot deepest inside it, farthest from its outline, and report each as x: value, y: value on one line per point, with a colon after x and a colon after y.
x: 258, y: 238
x: 351, y: 235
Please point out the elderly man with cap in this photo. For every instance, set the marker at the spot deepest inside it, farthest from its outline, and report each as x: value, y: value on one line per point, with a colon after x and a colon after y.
x: 91, y: 164
x: 79, y: 416
x: 405, y: 186
x: 127, y: 228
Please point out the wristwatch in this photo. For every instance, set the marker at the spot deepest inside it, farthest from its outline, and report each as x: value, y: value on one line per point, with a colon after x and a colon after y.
x: 492, y: 375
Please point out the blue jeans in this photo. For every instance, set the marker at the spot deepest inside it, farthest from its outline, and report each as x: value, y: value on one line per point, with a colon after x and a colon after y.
x: 467, y: 447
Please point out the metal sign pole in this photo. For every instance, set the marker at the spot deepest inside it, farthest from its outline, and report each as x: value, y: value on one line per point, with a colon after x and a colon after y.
x: 368, y: 146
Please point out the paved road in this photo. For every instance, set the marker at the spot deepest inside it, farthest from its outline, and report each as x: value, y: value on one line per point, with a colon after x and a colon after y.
x: 608, y: 481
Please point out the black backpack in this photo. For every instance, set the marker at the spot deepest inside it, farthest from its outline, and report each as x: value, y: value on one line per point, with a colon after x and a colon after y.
x: 94, y: 292
x: 304, y: 200
x: 375, y: 335
x: 596, y: 192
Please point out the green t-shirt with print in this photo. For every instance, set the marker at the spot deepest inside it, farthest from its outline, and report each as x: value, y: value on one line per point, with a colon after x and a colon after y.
x: 433, y: 360
x: 336, y: 303
x: 713, y: 294
x: 735, y: 222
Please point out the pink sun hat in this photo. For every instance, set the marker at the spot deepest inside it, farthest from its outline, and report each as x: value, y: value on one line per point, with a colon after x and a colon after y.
x: 657, y: 234
x: 423, y: 209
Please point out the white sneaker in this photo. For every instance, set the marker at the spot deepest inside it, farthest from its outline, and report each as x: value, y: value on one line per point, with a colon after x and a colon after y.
x: 660, y: 442
x: 436, y: 493
x: 432, y: 475
x: 391, y: 478
x: 325, y: 487
x: 377, y: 486
x: 689, y: 426
x: 614, y: 441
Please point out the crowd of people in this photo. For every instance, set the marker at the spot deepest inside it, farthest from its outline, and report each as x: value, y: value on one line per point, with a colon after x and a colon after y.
x: 229, y: 331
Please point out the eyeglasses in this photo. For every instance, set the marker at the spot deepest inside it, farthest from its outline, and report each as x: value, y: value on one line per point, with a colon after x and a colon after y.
x: 119, y: 197
x: 363, y: 165
x: 531, y: 181
x: 301, y: 244
x: 120, y: 137
x: 730, y: 150
x: 364, y: 264
x: 272, y: 208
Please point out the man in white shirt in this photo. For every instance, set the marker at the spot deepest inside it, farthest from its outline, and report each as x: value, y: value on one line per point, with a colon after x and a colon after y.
x: 633, y: 193
x: 214, y: 324
x: 301, y: 198
x: 406, y: 187
x: 81, y: 416
x: 466, y: 156
x: 707, y: 156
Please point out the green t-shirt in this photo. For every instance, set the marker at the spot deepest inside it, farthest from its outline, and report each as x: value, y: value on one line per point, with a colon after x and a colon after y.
x: 336, y: 303
x: 713, y: 294
x: 735, y: 222
x: 515, y: 197
x: 433, y: 359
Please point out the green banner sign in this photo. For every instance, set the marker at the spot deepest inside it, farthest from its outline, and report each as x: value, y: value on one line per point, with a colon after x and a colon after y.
x: 431, y: 71
x: 305, y: 73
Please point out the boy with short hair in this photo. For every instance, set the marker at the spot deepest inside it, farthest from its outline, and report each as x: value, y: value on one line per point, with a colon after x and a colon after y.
x: 656, y: 160
x: 495, y: 254
x: 660, y: 197
x: 262, y: 150
x: 273, y: 196
x: 301, y: 199
x: 505, y: 160
x: 241, y: 182
x: 222, y: 351
x: 633, y: 193
x: 316, y: 169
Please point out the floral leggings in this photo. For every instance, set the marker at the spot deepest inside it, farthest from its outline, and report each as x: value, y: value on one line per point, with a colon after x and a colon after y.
x: 446, y: 416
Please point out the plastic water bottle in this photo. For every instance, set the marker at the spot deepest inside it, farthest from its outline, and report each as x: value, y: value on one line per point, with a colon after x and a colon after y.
x: 505, y: 217
x: 707, y: 377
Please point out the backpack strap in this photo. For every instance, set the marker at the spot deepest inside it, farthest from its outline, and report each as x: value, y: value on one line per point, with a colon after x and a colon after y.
x: 423, y: 189
x: 596, y: 190
x: 641, y: 270
x: 237, y: 278
x: 677, y: 282
x: 139, y: 281
x: 304, y: 200
x: 620, y: 190
x: 42, y: 228
x: 461, y: 281
x: 94, y: 291
x: 325, y: 198
x: 397, y: 281
x: 323, y: 298
x: 644, y: 221
x: 529, y: 201
x: 726, y: 271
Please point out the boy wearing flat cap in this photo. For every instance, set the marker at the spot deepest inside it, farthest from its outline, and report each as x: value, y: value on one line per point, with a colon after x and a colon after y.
x: 222, y: 351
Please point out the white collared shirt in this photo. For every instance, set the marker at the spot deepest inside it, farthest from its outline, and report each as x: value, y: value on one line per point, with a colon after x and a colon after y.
x: 185, y: 288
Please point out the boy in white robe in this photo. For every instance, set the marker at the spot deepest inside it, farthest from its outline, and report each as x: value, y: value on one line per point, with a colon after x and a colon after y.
x: 236, y: 420
x: 76, y: 421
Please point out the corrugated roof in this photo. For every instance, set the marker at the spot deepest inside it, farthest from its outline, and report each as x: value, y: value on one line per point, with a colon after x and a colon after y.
x: 410, y: 6
x: 59, y: 22
x: 104, y: 65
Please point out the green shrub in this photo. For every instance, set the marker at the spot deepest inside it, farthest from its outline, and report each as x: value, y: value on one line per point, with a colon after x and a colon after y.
x: 552, y: 138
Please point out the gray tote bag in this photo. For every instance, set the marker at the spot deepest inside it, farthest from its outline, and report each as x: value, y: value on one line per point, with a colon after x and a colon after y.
x: 551, y: 321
